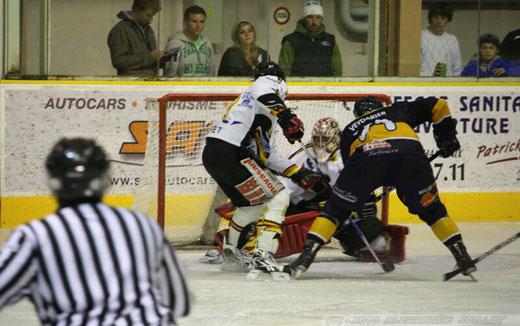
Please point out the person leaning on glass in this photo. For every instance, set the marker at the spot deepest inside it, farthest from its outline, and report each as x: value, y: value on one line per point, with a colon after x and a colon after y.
x: 487, y: 63
x: 242, y: 58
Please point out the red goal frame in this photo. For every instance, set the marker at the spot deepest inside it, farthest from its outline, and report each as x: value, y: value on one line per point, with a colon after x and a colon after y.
x: 187, y: 97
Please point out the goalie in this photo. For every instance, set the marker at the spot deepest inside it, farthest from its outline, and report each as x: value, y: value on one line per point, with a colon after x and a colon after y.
x: 240, y: 157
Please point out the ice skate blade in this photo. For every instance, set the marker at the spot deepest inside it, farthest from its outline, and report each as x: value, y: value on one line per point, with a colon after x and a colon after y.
x: 258, y: 275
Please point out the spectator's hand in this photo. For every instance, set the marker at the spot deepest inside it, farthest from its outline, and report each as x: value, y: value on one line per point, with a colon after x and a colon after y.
x: 157, y: 54
x: 499, y: 72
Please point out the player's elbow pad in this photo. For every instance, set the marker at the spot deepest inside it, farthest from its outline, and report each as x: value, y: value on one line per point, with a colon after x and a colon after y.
x: 273, y: 102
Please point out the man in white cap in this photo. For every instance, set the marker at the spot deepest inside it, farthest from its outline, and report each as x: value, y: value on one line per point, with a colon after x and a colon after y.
x: 309, y: 50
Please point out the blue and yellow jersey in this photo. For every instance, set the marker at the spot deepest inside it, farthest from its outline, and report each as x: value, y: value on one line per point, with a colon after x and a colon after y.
x: 391, y: 129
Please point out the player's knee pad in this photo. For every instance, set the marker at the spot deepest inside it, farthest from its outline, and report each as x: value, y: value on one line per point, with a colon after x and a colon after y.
x: 322, y: 229
x: 432, y: 213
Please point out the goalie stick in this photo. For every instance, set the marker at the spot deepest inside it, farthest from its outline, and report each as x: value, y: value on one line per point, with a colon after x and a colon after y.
x: 386, y: 266
x: 488, y: 253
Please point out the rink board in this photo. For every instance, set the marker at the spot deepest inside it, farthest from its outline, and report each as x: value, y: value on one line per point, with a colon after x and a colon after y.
x: 192, y: 209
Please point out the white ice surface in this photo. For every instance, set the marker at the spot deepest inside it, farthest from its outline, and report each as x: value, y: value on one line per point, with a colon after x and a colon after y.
x: 339, y: 291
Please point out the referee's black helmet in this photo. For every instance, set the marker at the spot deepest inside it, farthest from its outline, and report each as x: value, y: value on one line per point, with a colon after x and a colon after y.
x: 269, y: 69
x: 77, y: 168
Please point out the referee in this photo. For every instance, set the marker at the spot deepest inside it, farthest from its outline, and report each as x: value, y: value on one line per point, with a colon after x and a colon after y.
x: 90, y: 263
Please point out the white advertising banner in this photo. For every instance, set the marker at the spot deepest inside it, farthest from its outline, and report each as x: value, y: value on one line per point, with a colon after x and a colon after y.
x: 35, y: 116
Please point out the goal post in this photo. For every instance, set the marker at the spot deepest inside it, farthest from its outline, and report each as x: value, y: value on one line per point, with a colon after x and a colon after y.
x: 175, y: 187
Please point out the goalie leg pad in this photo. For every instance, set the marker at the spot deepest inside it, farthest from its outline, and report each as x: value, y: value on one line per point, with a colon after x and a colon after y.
x: 294, y: 233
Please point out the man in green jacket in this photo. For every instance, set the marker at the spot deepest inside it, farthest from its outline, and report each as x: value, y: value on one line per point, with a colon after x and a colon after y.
x: 309, y: 50
x: 133, y: 48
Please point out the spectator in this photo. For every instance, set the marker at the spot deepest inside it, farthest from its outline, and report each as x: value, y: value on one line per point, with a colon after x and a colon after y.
x: 90, y: 263
x: 487, y: 63
x: 440, y: 52
x: 511, y: 53
x: 189, y: 52
x: 242, y: 58
x: 132, y: 41
x: 309, y: 50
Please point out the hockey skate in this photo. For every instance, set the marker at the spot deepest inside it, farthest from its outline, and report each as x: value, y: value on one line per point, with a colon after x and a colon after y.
x: 464, y: 261
x: 235, y: 260
x: 302, y: 263
x: 264, y: 267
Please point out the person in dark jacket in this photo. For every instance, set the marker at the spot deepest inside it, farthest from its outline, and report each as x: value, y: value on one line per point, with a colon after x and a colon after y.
x: 309, y: 50
x: 510, y: 47
x: 242, y: 58
x: 133, y: 48
x: 488, y: 62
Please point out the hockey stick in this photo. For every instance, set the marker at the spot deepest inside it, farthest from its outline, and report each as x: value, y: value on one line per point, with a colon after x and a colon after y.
x: 306, y: 150
x: 386, y: 266
x: 488, y: 253
x: 390, y: 189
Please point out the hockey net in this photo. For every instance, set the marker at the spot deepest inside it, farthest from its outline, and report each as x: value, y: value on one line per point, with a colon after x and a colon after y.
x: 174, y: 185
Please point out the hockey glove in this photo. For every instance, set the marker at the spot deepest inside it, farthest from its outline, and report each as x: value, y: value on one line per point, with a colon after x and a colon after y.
x: 291, y: 125
x: 445, y: 136
x: 308, y: 179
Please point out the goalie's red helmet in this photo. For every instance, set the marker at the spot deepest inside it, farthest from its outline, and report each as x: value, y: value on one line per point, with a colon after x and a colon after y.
x: 325, y: 138
x: 269, y: 69
x: 365, y: 105
x: 77, y: 168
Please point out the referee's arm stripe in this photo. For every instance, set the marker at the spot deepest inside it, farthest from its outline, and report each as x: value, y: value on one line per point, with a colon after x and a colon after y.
x: 17, y: 267
x: 178, y: 282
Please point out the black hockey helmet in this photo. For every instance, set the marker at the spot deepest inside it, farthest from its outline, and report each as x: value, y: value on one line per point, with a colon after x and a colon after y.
x: 365, y: 105
x: 269, y: 69
x: 77, y: 168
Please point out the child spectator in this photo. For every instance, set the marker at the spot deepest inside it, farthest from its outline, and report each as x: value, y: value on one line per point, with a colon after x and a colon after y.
x: 487, y: 63
x: 242, y: 58
x: 440, y: 52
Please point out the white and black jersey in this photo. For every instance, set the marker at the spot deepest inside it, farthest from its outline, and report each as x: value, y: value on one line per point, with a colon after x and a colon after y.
x: 93, y: 264
x: 251, y: 121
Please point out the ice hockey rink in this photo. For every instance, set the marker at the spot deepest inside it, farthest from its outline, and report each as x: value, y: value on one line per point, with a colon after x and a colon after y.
x: 339, y: 291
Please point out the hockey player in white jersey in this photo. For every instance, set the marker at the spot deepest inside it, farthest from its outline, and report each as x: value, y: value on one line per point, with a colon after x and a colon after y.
x: 239, y: 156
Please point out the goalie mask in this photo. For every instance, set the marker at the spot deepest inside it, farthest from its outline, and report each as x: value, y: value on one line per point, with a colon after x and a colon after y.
x: 77, y: 168
x: 365, y: 105
x: 325, y: 138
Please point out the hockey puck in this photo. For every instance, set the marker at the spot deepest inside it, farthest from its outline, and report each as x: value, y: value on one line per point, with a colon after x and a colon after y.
x: 388, y: 266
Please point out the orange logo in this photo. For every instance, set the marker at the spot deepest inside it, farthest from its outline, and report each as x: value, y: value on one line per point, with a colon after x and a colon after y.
x: 182, y: 136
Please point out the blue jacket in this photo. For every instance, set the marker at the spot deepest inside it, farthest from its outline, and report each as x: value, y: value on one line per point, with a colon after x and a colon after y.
x: 512, y: 67
x: 472, y: 68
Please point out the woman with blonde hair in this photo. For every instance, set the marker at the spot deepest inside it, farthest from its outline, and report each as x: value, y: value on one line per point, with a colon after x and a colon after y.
x: 242, y: 58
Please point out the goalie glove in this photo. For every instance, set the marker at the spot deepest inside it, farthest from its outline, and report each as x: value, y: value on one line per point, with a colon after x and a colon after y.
x: 291, y: 125
x: 310, y: 180
x: 445, y: 136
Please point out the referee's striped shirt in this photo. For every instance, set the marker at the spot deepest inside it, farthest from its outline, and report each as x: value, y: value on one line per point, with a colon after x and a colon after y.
x: 93, y: 264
